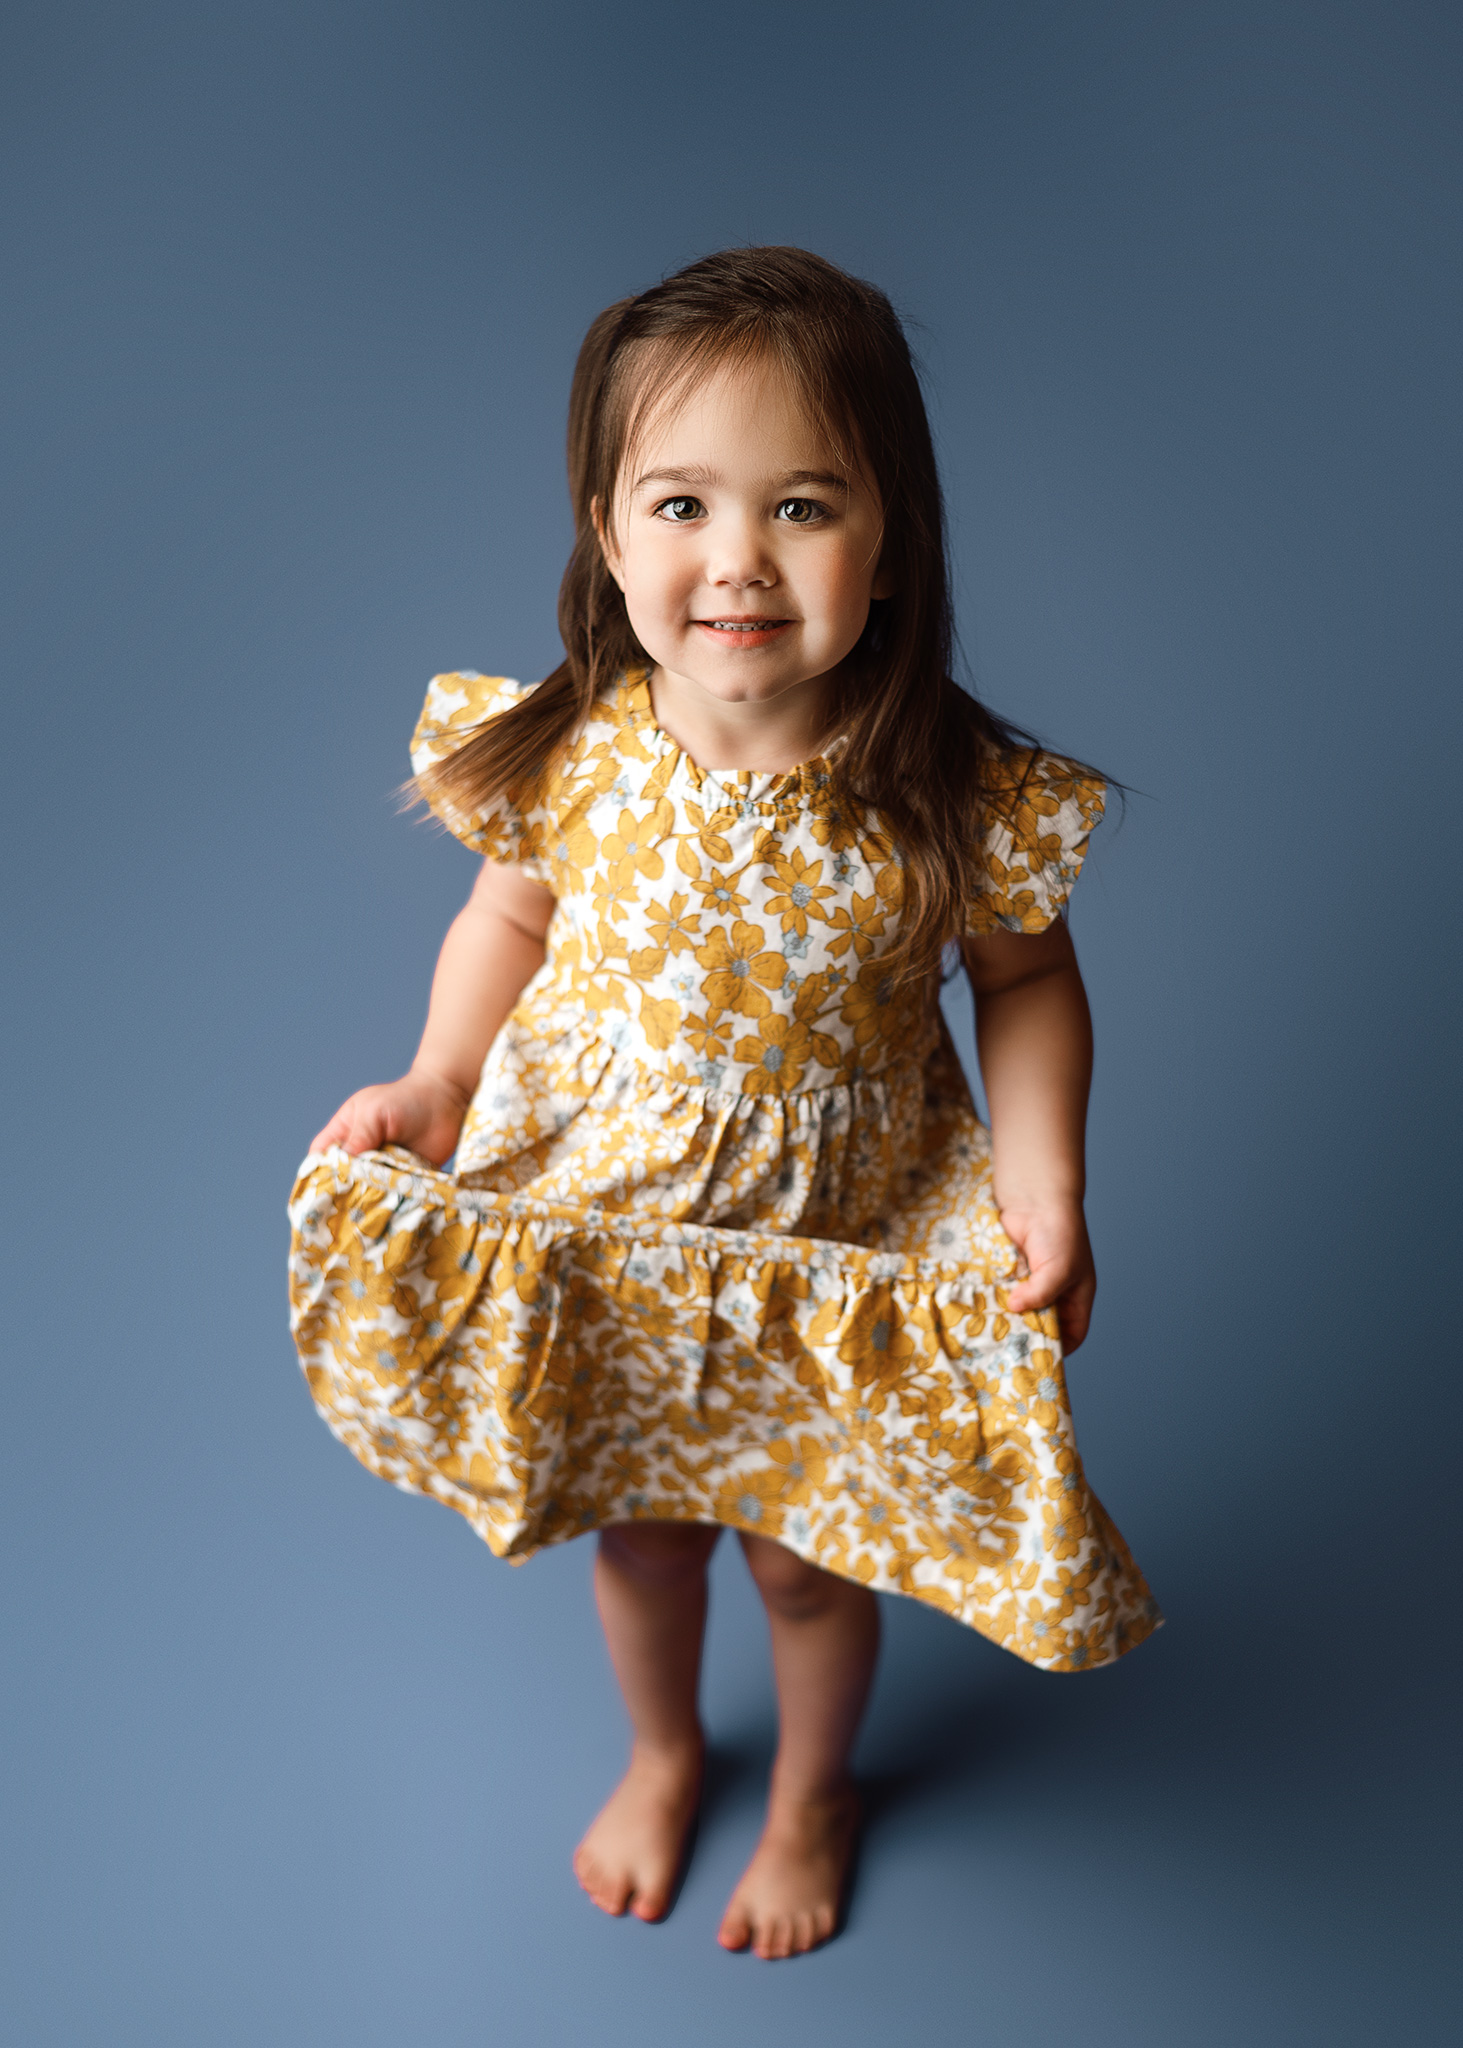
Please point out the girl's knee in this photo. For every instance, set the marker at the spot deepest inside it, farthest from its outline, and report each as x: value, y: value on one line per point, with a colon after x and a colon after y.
x: 660, y: 1551
x: 788, y: 1583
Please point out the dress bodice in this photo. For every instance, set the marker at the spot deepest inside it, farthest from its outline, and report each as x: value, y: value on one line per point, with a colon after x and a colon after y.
x: 727, y: 930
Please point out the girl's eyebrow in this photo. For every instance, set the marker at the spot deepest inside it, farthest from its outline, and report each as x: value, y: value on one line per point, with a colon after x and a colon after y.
x: 789, y: 480
x: 693, y: 475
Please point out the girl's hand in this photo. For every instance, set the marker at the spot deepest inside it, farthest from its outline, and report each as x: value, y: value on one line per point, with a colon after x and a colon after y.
x: 1053, y: 1240
x: 422, y: 1111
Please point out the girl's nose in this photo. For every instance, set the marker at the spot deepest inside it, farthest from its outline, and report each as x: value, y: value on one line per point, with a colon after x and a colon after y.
x: 738, y: 556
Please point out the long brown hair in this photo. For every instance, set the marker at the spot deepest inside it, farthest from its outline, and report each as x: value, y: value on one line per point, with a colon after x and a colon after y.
x: 918, y: 748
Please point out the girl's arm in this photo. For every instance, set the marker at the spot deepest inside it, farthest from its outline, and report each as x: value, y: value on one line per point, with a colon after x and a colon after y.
x: 493, y: 947
x: 1034, y: 1037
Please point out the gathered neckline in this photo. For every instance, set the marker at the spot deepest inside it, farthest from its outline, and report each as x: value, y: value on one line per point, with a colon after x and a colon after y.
x: 739, y: 783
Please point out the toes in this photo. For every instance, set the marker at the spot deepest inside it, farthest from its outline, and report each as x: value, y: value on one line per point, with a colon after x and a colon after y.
x: 783, y: 1935
x: 775, y: 1943
x: 736, y: 1928
x: 610, y: 1894
x: 650, y: 1905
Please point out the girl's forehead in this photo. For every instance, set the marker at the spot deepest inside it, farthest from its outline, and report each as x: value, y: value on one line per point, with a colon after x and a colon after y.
x: 750, y: 405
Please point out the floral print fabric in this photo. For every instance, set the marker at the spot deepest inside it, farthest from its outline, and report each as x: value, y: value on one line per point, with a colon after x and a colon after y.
x: 719, y: 1244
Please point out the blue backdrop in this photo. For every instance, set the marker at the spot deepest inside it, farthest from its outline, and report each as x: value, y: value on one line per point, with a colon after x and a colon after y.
x: 294, y: 294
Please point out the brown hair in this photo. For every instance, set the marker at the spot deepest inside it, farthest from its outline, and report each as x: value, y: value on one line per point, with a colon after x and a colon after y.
x: 918, y: 748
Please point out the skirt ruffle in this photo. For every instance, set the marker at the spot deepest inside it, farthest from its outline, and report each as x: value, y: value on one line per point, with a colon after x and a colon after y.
x: 548, y: 1371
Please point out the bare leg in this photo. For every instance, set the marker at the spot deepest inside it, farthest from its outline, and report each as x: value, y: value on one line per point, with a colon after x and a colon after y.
x: 650, y: 1582
x: 825, y: 1640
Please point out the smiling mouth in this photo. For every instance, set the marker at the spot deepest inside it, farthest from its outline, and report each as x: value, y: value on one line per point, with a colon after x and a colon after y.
x: 742, y: 625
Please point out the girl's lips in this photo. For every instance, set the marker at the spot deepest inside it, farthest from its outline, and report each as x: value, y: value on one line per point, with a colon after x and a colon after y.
x: 735, y: 632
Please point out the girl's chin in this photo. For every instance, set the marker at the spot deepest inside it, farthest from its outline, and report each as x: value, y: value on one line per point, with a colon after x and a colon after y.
x: 746, y: 684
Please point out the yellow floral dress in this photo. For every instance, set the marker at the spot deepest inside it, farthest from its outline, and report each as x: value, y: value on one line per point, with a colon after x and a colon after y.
x: 719, y: 1244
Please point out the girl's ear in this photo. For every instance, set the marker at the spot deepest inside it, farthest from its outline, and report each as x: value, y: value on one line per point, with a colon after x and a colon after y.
x: 606, y: 540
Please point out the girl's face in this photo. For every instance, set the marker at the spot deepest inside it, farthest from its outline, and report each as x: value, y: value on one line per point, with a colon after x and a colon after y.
x: 746, y: 553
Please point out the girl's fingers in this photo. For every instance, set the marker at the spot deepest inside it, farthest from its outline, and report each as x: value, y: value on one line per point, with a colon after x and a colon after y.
x: 354, y: 1129
x: 1041, y: 1287
x: 1056, y: 1285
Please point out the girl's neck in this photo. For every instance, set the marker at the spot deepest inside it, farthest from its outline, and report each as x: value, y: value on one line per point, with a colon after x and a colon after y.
x: 764, y: 738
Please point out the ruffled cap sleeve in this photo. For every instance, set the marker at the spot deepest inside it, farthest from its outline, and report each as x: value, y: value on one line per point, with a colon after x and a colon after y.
x: 510, y: 828
x: 1040, y: 814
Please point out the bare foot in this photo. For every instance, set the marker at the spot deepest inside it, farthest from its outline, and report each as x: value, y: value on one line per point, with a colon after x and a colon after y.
x: 630, y: 1856
x: 788, y: 1897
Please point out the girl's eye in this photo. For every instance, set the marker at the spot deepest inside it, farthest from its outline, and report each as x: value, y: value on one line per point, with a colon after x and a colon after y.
x: 801, y: 511
x: 679, y: 510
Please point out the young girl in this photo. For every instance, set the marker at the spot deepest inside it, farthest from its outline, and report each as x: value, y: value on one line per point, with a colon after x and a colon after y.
x: 725, y: 1244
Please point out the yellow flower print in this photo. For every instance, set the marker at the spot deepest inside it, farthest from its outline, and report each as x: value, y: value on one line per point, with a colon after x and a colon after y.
x: 1039, y: 1633
x: 787, y: 1408
x: 631, y: 851
x: 533, y: 1348
x: 444, y: 1407
x: 1020, y: 789
x: 599, y: 770
x: 1066, y: 786
x: 967, y: 1555
x: 834, y: 828
x: 866, y: 1001
x: 450, y: 1262
x: 876, y: 1343
x: 659, y: 1021
x: 1005, y: 900
x: 573, y: 851
x: 801, y: 895
x: 752, y: 1500
x: 776, y: 1056
x: 877, y: 1521
x: 1039, y: 1389
x: 1065, y: 1527
x: 858, y: 923
x: 706, y: 1036
x: 948, y: 1434
x: 739, y: 970
x: 1070, y: 1589
x: 1091, y: 1645
x: 365, y: 1287
x: 1066, y: 1482
x: 720, y: 894
x: 803, y: 1467
x: 1023, y: 818
x: 522, y: 1276
x: 672, y: 927
x: 609, y: 900
x: 784, y: 1284
x: 710, y: 830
